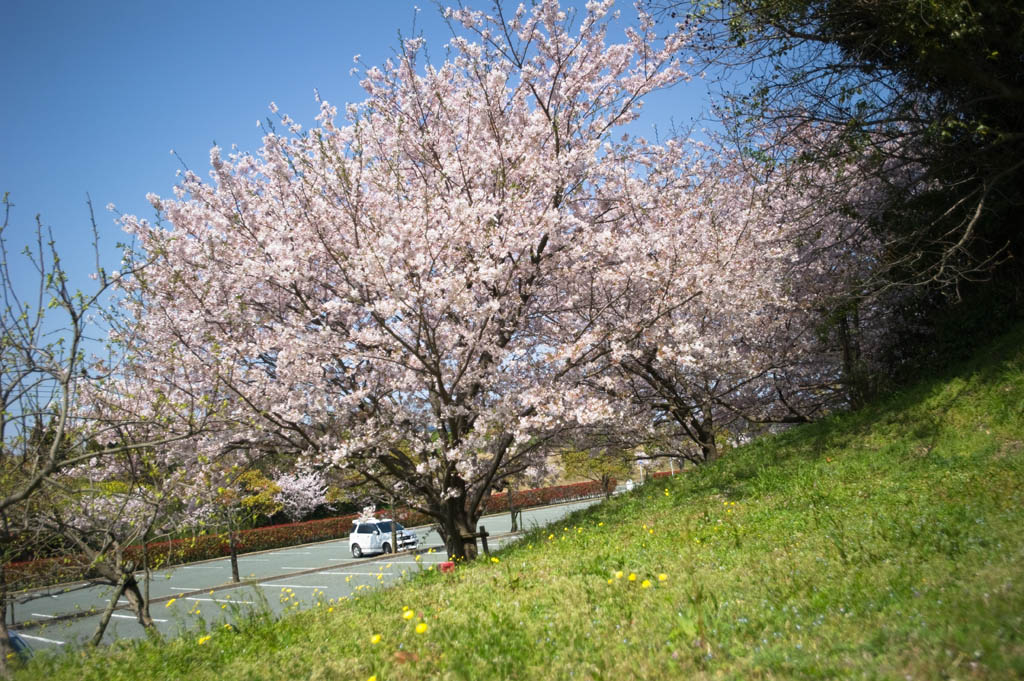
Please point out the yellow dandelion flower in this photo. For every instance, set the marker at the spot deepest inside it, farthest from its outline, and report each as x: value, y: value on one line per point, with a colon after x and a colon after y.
x: 662, y: 577
x: 387, y: 566
x: 417, y: 558
x: 601, y: 524
x: 372, y: 678
x: 632, y: 576
x: 228, y: 627
x: 610, y: 580
x: 408, y: 614
x: 375, y: 639
x: 618, y: 574
x: 170, y: 602
x: 330, y: 609
x: 646, y: 584
x: 495, y: 560
x: 550, y: 537
x: 650, y: 531
x: 203, y: 639
x: 421, y: 628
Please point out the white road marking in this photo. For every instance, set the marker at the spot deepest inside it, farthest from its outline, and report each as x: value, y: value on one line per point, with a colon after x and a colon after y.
x: 39, y: 614
x: 188, y: 588
x: 291, y: 586
x: 203, y: 567
x: 367, y: 574
x: 214, y: 600
x: 40, y: 638
x: 131, y: 617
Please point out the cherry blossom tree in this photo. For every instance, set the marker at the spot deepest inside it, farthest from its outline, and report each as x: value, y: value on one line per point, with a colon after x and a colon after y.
x: 56, y: 400
x: 392, y: 294
x: 725, y: 330
x: 109, y: 508
x: 301, y: 493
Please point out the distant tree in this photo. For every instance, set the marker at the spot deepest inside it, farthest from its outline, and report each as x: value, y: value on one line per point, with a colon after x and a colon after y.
x: 301, y: 493
x: 603, y: 465
x: 234, y: 496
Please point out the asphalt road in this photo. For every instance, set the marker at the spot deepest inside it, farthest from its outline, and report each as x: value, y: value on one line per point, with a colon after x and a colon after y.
x: 295, y: 577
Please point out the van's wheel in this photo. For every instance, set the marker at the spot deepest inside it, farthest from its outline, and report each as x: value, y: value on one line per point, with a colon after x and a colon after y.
x: 356, y: 551
x: 386, y: 547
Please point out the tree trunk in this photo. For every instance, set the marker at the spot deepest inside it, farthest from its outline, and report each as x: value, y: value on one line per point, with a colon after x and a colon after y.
x: 705, y: 431
x: 147, y: 575
x: 233, y: 547
x: 140, y: 606
x: 512, y: 510
x: 457, y: 530
x: 101, y: 626
x: 6, y: 648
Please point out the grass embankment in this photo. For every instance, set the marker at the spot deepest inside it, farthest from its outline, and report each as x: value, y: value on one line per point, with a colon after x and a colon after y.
x: 882, y: 544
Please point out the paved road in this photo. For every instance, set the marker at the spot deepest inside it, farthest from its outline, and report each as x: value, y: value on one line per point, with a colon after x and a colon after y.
x: 282, y: 578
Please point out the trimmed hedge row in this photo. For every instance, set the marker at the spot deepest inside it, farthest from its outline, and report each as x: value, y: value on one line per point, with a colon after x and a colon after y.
x: 49, y: 571
x: 544, y: 496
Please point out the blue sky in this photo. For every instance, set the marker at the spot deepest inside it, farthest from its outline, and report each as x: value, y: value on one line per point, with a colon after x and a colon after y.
x: 97, y: 93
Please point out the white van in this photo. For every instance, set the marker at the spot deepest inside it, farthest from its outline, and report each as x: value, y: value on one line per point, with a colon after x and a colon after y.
x: 375, y: 537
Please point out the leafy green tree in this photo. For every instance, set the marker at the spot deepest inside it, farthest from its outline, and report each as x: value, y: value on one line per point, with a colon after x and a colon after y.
x: 934, y: 89
x: 604, y: 465
x: 239, y: 496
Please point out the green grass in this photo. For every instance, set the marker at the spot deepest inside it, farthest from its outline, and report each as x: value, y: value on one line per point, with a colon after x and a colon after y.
x: 885, y: 544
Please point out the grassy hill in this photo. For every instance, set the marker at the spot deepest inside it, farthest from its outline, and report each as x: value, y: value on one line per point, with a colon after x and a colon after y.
x: 883, y: 544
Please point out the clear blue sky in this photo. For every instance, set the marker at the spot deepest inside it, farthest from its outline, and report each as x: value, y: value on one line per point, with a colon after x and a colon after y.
x: 97, y: 93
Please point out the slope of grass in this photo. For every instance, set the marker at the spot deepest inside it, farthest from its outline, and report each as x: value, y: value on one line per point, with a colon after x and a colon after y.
x: 885, y: 544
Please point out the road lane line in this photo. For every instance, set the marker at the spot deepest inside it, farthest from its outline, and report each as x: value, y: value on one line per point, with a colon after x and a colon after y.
x: 203, y: 567
x: 132, y: 617
x: 39, y: 614
x: 214, y: 600
x: 291, y: 586
x: 40, y: 638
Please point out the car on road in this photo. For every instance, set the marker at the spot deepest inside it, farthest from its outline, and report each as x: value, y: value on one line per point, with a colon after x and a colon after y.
x: 374, y: 536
